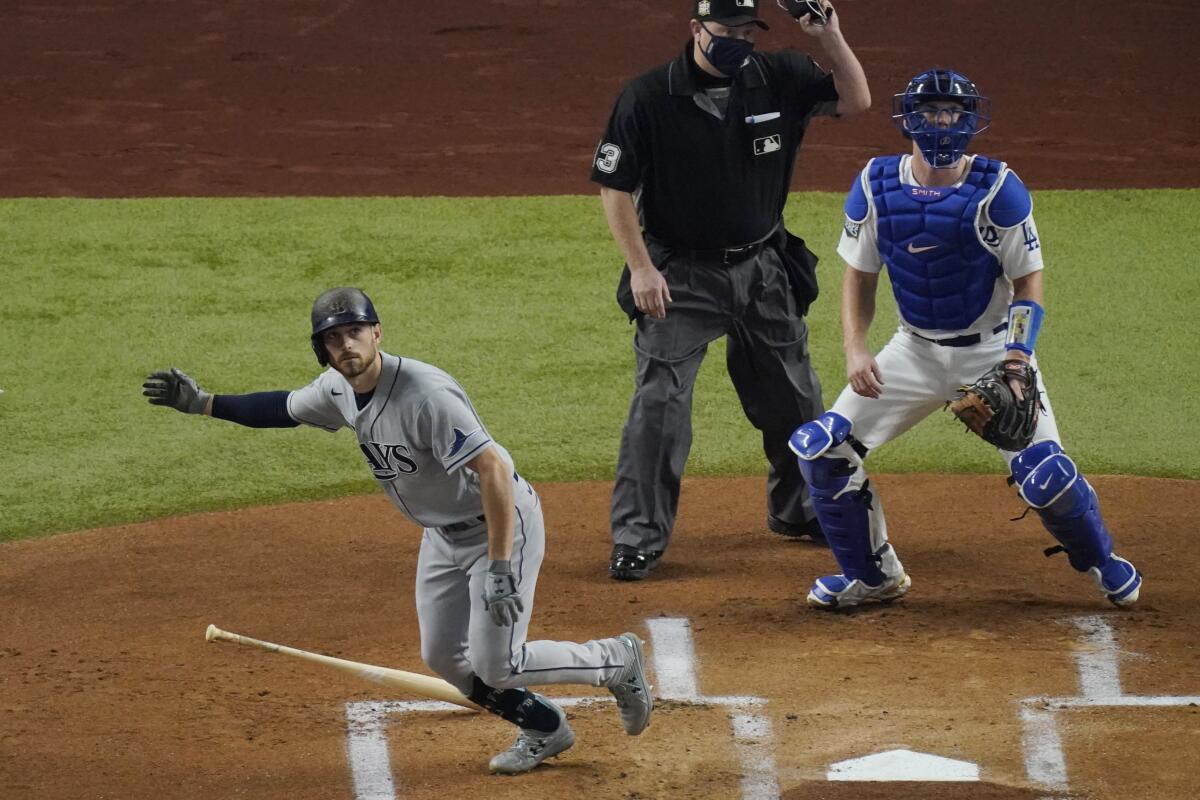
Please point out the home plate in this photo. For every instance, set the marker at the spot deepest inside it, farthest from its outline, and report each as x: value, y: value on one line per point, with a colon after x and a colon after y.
x: 903, y: 765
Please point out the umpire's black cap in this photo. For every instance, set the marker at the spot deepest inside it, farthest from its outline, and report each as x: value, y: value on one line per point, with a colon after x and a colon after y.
x: 730, y: 13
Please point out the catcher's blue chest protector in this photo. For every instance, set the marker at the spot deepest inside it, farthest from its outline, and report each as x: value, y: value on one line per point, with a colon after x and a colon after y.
x: 942, y: 275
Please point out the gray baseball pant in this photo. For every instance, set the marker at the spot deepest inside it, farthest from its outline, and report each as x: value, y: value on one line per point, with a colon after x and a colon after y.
x: 459, y: 638
x: 751, y: 304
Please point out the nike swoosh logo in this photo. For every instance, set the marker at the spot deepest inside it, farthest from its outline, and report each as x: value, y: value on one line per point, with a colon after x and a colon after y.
x: 1046, y: 483
x: 915, y: 250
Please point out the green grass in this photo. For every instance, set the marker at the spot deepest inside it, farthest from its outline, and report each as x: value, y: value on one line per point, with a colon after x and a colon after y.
x: 515, y: 298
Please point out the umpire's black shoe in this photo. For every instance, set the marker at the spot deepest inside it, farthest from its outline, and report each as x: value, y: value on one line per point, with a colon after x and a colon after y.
x: 631, y: 564
x: 810, y: 530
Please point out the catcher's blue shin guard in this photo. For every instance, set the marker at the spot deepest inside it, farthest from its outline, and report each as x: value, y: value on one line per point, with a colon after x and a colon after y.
x: 849, y: 516
x: 1048, y: 480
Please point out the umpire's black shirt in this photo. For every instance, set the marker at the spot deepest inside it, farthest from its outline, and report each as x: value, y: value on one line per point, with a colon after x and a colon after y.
x: 707, y: 182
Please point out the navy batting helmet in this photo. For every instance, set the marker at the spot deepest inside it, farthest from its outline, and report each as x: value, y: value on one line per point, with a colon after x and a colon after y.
x: 340, y: 306
x: 941, y: 146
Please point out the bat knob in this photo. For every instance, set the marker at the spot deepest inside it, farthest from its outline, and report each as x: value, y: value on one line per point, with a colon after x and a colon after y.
x: 211, y: 633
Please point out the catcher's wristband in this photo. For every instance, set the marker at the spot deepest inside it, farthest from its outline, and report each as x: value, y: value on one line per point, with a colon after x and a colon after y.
x: 1024, y: 323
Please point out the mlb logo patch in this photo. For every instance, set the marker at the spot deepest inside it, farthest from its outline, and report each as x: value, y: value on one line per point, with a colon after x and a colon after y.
x: 767, y: 144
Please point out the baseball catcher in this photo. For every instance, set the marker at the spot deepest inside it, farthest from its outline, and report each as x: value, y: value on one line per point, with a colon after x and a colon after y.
x: 955, y: 232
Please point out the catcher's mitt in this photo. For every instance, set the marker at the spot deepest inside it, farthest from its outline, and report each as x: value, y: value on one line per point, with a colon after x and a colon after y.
x: 818, y: 11
x: 989, y: 407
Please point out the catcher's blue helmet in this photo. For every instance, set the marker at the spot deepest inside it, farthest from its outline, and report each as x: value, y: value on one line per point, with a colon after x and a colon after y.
x: 941, y: 146
x: 340, y: 306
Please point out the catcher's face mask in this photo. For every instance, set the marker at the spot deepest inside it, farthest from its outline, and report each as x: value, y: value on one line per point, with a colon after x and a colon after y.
x: 941, y: 110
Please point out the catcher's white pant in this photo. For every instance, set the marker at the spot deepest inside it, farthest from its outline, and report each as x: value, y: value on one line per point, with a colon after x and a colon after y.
x: 920, y: 377
x: 459, y: 638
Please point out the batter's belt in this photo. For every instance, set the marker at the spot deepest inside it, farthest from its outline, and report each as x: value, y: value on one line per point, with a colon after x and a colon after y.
x: 459, y: 527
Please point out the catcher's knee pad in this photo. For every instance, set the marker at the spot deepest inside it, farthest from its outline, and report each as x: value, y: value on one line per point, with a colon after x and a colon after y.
x: 841, y: 495
x: 1048, y: 480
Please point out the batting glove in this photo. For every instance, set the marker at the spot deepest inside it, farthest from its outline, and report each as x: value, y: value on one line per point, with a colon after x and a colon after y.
x: 500, y: 595
x: 175, y: 389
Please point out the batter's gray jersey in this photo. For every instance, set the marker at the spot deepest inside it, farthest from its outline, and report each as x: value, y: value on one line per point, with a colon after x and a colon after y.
x: 417, y: 432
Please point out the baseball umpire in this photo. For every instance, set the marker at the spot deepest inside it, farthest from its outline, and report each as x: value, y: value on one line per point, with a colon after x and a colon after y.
x: 483, y: 539
x: 694, y: 170
x: 957, y: 236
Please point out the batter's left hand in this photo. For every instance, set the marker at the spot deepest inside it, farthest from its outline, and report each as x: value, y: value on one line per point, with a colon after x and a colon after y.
x: 500, y: 595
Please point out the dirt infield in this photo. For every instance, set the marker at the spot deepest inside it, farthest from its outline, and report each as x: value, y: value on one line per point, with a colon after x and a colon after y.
x: 314, y: 97
x: 109, y: 689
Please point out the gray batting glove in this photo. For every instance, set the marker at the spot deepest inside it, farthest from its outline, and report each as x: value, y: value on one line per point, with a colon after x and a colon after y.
x: 175, y: 389
x: 500, y: 595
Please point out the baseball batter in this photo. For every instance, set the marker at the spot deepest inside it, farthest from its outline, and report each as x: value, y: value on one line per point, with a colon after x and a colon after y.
x: 483, y: 539
x: 957, y: 235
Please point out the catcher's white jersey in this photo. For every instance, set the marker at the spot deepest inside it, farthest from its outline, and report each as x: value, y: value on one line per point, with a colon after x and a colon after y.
x: 417, y: 433
x: 1017, y: 247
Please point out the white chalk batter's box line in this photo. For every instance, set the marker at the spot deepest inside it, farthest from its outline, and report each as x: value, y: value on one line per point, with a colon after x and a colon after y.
x: 674, y: 661
x: 1099, y: 687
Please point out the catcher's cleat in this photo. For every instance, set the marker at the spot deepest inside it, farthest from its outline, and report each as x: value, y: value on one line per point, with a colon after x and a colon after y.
x: 810, y: 531
x: 1119, y: 580
x: 634, y: 701
x: 631, y: 564
x: 533, y: 747
x: 838, y: 591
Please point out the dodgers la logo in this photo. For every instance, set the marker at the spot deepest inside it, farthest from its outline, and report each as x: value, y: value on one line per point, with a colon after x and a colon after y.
x: 388, y: 461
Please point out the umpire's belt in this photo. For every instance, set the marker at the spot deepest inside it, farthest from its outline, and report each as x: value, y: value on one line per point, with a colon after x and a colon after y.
x: 465, y: 525
x: 961, y: 341
x: 726, y: 255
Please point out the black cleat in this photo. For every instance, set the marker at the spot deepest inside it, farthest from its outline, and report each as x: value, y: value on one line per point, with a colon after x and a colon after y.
x: 810, y: 530
x: 631, y: 564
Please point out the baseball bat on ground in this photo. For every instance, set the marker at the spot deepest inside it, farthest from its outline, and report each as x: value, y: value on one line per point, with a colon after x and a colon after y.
x: 410, y: 682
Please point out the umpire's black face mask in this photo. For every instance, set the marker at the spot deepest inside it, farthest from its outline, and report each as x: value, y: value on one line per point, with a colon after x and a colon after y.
x: 726, y: 53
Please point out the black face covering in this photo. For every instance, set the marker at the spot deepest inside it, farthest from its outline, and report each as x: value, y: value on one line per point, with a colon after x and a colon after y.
x: 727, y: 53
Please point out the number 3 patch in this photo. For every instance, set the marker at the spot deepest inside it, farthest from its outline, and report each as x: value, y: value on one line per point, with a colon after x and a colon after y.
x: 607, y: 157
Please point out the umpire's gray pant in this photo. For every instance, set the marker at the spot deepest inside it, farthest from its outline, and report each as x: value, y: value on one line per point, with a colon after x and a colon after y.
x: 751, y: 304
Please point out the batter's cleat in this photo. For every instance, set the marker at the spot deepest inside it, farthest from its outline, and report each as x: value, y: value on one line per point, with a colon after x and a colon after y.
x: 631, y: 564
x: 634, y: 701
x: 1119, y: 580
x: 838, y: 591
x: 810, y: 530
x: 533, y: 747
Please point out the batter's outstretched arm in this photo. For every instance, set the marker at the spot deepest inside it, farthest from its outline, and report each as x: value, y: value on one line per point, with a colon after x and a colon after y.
x: 650, y: 292
x: 858, y: 311
x: 177, y: 389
